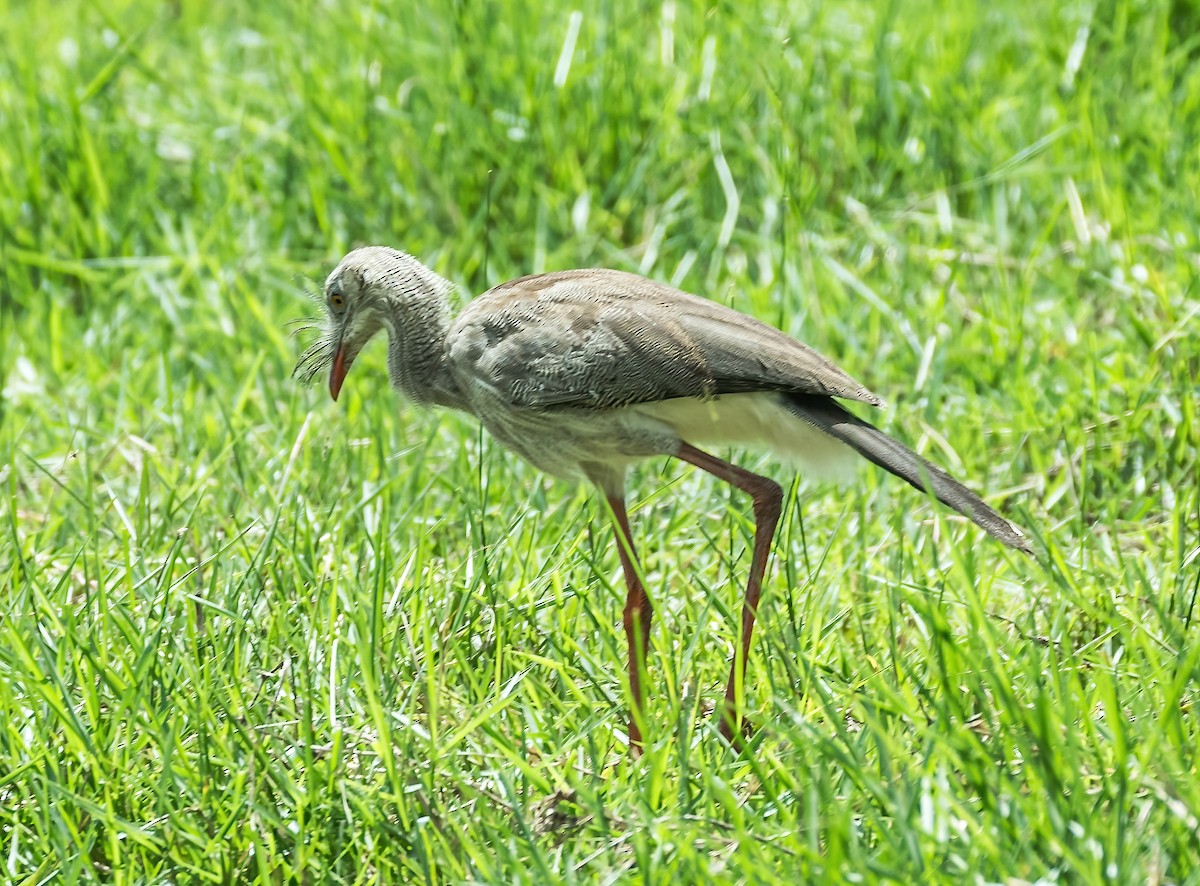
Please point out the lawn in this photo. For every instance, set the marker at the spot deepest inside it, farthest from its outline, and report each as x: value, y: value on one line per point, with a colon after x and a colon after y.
x: 251, y: 635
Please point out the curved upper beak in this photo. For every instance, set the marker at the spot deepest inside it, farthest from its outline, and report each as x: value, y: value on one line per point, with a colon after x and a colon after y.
x: 341, y: 365
x: 356, y: 330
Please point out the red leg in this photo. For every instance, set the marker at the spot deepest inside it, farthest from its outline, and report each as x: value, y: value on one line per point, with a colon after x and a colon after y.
x: 768, y: 505
x: 638, y: 615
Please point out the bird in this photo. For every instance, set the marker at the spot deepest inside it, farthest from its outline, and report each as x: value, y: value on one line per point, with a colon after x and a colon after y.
x: 584, y: 372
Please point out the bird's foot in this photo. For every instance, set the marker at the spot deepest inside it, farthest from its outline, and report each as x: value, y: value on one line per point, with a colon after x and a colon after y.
x: 735, y: 729
x: 635, y: 740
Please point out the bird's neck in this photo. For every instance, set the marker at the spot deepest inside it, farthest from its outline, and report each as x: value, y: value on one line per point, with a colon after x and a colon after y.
x: 417, y: 360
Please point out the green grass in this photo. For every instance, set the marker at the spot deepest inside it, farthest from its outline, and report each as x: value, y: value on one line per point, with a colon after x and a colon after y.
x: 247, y: 634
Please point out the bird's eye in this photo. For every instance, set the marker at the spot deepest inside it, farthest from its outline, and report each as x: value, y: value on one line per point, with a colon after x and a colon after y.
x: 337, y: 302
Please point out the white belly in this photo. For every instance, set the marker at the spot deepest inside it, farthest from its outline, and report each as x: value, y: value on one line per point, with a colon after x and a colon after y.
x: 755, y: 421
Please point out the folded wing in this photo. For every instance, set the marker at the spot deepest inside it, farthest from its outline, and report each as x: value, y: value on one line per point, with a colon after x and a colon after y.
x: 602, y: 339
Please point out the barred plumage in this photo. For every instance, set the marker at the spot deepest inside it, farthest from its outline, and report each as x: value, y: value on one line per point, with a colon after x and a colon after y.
x: 583, y: 372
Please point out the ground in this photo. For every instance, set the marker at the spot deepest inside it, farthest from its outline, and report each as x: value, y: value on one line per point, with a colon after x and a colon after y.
x: 247, y: 634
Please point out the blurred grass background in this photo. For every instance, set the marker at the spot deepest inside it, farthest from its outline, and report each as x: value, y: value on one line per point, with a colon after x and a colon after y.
x: 250, y: 635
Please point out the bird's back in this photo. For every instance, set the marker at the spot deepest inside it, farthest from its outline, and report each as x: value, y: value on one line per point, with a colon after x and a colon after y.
x: 601, y: 338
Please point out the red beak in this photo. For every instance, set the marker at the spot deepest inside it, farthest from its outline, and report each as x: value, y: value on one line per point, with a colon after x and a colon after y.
x: 337, y: 374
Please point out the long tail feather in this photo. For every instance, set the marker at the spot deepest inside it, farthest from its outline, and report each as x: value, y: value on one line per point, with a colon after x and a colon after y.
x: 873, y: 444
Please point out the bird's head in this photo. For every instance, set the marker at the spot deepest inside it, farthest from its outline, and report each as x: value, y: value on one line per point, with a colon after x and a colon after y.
x: 364, y: 293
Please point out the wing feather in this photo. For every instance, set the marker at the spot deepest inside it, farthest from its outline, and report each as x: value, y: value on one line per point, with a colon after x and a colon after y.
x: 601, y: 338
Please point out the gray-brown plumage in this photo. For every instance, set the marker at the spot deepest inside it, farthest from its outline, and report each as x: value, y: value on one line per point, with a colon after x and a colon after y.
x: 584, y: 372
